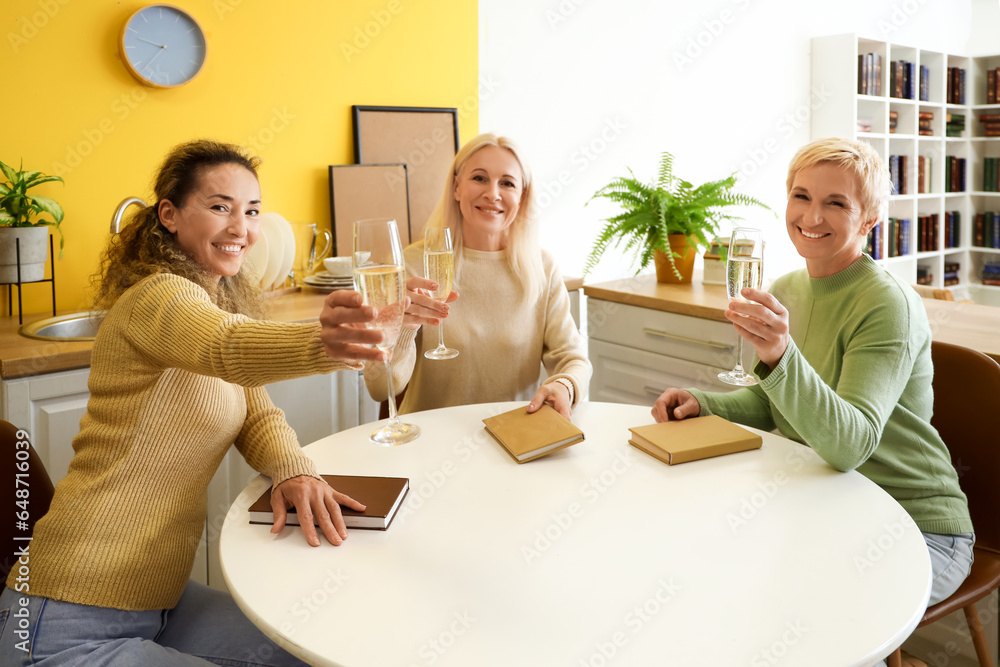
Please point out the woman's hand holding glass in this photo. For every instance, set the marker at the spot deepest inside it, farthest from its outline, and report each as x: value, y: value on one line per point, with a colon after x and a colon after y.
x: 423, y: 308
x: 763, y: 324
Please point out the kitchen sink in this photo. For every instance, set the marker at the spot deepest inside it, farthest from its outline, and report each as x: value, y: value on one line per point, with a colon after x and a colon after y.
x: 76, y: 326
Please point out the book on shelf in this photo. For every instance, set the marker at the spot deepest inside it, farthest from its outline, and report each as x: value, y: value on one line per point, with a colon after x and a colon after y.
x: 898, y: 172
x: 925, y: 77
x: 952, y: 229
x: 927, y: 232
x: 954, y: 174
x: 893, y: 121
x: 956, y: 86
x: 986, y: 230
x: 869, y: 74
x: 991, y: 86
x: 901, y: 79
x: 526, y: 437
x: 864, y: 124
x: 951, y: 271
x: 873, y: 245
x: 924, y: 174
x: 692, y: 439
x: 924, y: 275
x: 954, y: 124
x: 381, y: 496
x: 898, y: 239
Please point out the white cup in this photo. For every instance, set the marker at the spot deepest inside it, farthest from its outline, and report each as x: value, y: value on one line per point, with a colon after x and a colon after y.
x: 340, y: 267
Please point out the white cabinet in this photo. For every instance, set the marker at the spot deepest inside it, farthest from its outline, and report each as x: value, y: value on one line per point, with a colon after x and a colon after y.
x: 638, y: 352
x: 50, y: 407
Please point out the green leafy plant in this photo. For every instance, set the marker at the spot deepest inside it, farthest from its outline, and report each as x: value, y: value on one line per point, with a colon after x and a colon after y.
x: 669, y: 205
x: 20, y: 209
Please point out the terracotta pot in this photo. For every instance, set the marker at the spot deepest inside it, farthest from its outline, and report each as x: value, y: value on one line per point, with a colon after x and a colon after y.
x: 684, y: 263
x: 34, y: 253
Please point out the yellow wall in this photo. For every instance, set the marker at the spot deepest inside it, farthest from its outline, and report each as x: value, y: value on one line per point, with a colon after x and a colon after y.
x: 280, y: 78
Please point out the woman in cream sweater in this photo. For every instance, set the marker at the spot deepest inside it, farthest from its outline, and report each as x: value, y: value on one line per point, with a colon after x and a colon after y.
x: 177, y: 375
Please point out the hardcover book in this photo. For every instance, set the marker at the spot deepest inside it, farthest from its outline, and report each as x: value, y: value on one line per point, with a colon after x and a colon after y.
x: 692, y: 439
x: 381, y: 496
x: 528, y: 436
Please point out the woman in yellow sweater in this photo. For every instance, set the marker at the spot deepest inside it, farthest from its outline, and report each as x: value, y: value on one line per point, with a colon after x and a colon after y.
x: 177, y: 375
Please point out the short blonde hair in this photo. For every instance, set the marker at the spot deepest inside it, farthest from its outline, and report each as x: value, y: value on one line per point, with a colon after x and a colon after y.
x: 523, y: 248
x: 857, y: 157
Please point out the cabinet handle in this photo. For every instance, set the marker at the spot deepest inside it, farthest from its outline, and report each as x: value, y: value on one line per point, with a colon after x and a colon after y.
x: 685, y: 339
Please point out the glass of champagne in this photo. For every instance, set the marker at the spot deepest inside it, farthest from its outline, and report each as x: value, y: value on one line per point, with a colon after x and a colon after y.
x: 380, y: 277
x: 439, y: 266
x: 744, y: 268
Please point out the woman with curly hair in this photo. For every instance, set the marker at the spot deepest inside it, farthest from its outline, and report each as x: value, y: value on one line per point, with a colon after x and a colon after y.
x: 177, y: 375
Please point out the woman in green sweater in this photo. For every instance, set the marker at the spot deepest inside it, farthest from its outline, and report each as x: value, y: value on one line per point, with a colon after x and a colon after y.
x: 846, y: 368
x: 177, y: 375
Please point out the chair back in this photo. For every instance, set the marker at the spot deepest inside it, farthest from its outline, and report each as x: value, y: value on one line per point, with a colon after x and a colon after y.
x: 21, y: 474
x: 966, y: 404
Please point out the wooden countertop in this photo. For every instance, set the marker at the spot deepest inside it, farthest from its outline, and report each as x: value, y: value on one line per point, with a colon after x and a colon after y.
x: 966, y: 324
x: 20, y: 356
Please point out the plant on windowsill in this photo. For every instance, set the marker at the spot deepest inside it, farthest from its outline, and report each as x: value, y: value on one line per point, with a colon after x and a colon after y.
x: 20, y: 219
x: 667, y: 220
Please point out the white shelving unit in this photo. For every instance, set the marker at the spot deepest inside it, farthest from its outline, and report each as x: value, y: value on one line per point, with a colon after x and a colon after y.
x: 835, y: 69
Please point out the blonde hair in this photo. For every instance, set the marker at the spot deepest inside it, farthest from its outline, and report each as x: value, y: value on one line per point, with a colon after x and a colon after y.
x: 145, y: 247
x: 857, y: 157
x: 523, y: 250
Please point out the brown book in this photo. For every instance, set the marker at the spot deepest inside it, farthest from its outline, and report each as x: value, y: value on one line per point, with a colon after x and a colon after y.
x: 692, y: 439
x: 528, y: 436
x: 381, y: 497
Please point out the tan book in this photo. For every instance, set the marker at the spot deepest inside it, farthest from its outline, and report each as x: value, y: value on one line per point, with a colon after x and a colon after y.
x: 692, y: 439
x: 381, y: 497
x: 527, y: 436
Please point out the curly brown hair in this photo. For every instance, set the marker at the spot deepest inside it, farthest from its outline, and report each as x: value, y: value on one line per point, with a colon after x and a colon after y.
x: 145, y: 247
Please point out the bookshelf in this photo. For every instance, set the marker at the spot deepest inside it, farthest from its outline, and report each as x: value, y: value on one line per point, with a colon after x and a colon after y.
x: 861, y: 104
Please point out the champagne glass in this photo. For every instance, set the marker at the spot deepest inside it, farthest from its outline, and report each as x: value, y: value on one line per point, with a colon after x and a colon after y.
x: 439, y: 266
x: 380, y: 277
x: 744, y: 268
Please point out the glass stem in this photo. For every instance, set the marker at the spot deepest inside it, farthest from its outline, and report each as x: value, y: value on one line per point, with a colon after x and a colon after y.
x: 393, y: 419
x: 739, y: 356
x: 441, y: 335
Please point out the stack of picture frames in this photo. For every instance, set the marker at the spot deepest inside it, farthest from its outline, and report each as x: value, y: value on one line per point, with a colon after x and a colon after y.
x: 402, y: 157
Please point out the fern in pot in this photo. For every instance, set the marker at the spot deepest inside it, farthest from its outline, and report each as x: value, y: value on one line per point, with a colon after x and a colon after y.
x: 20, y: 219
x: 666, y: 221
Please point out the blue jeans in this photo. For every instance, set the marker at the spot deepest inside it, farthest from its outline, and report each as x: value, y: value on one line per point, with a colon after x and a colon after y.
x: 206, y: 627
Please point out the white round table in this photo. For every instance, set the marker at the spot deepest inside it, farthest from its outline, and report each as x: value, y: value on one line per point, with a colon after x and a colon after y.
x: 595, y: 555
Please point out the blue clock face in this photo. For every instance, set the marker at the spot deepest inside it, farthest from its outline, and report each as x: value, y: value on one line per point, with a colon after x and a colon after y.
x: 163, y: 46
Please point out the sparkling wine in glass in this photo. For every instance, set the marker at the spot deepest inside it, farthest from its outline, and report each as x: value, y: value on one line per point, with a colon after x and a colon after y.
x: 744, y: 268
x: 381, y: 279
x: 439, y: 266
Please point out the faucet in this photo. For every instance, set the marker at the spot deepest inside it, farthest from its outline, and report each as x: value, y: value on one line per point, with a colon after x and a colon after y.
x: 116, y: 219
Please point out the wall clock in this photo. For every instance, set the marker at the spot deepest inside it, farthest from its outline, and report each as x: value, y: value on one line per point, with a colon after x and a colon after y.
x: 162, y: 46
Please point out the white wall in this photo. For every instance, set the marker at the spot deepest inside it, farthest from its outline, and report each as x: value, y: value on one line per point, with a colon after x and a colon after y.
x: 590, y: 88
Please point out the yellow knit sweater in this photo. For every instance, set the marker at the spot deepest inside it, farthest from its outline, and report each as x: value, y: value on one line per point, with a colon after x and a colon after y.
x: 174, y: 381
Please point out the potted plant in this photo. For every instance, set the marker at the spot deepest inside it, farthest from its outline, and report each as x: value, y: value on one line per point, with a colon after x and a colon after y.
x: 668, y: 219
x: 20, y: 219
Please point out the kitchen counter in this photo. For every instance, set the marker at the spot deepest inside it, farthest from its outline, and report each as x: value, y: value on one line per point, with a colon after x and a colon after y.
x: 966, y: 324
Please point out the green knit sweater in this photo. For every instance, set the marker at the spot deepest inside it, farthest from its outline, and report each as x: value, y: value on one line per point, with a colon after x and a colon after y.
x: 855, y: 385
x: 174, y: 382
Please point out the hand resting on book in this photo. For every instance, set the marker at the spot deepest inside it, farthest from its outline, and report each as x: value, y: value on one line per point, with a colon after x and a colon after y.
x: 675, y: 404
x: 312, y: 498
x: 556, y: 395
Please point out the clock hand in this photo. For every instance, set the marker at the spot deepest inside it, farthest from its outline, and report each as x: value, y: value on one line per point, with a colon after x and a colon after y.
x: 162, y: 49
x: 149, y: 42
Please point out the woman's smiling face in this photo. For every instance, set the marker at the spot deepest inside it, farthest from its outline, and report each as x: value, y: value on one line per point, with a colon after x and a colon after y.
x: 488, y: 191
x: 824, y: 218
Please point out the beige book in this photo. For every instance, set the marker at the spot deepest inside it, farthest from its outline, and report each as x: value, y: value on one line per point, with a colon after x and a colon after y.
x: 381, y: 497
x: 527, y: 436
x: 692, y: 439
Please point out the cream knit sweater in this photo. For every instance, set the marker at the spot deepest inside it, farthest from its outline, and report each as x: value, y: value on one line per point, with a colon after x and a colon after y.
x: 174, y: 381
x: 503, y: 340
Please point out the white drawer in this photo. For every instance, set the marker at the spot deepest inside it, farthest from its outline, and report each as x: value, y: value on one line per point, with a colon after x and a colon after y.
x: 682, y: 336
x: 626, y: 375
